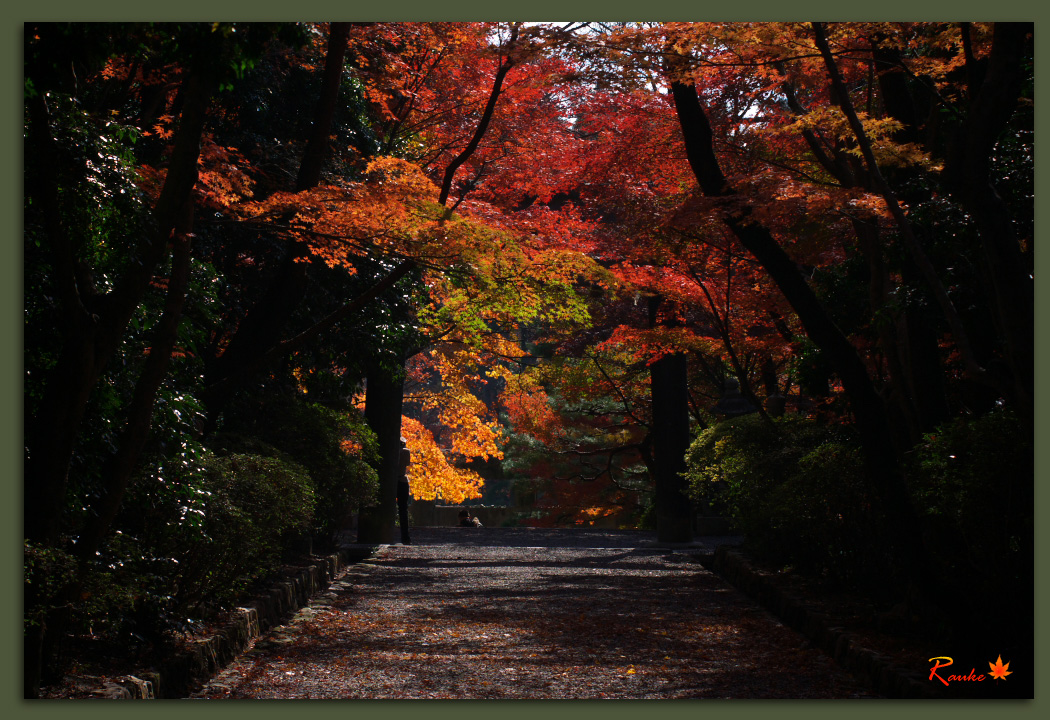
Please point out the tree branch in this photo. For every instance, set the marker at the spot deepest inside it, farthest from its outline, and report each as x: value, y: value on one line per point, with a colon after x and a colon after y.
x: 486, y: 118
x: 841, y: 95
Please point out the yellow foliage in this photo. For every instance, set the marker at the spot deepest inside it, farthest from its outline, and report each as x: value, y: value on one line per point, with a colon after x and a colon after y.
x: 301, y: 375
x: 430, y: 475
x: 471, y: 432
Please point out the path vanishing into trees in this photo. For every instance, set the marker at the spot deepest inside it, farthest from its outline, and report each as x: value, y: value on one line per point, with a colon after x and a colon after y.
x: 514, y: 613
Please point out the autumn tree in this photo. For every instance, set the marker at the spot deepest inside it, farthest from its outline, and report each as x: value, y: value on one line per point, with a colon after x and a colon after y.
x: 617, y: 169
x: 770, y: 151
x: 873, y: 422
x: 384, y: 212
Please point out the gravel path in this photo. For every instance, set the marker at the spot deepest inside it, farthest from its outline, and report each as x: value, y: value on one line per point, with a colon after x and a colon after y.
x: 528, y: 614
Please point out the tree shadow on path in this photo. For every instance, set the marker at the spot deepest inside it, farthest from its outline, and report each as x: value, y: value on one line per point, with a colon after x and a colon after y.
x: 575, y: 620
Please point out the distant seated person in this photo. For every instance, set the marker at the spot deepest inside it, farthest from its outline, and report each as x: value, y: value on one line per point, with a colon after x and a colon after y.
x: 465, y: 520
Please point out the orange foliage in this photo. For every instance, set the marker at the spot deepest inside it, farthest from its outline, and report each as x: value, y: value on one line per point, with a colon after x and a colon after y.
x: 431, y: 476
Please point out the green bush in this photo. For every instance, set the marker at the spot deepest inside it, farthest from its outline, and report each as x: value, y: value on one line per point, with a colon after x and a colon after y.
x: 253, y: 505
x: 99, y: 600
x: 823, y: 518
x: 47, y: 573
x: 972, y: 480
x: 201, y: 525
x: 797, y: 490
x: 732, y: 466
x: 794, y: 488
x: 198, y: 530
x: 334, y: 446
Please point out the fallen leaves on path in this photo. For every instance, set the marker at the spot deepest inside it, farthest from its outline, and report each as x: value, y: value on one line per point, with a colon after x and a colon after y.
x: 445, y: 621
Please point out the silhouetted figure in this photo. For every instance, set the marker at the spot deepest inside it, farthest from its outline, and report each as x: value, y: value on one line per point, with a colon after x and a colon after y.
x: 465, y: 520
x: 403, y: 460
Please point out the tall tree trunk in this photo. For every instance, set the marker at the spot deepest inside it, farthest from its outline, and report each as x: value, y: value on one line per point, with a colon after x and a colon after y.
x: 93, y: 328
x: 317, y: 145
x: 916, y: 387
x: 969, y: 178
x: 907, y: 234
x: 670, y: 442
x: 909, y: 400
x: 42, y: 641
x: 994, y: 89
x: 918, y: 403
x: 118, y: 470
x: 384, y: 396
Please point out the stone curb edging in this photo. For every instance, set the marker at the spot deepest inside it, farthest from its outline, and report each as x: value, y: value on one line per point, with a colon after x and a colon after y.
x: 877, y: 670
x: 204, y: 658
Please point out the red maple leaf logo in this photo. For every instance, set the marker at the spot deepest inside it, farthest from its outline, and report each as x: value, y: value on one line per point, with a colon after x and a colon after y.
x: 999, y: 669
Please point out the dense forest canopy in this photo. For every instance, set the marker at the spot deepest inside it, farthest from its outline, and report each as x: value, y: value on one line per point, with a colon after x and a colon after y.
x: 562, y: 261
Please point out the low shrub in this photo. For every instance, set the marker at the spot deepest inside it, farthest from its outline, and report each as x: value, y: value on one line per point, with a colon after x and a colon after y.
x: 47, y: 574
x: 334, y: 446
x: 798, y: 491
x: 972, y: 481
x: 252, y: 506
x: 97, y: 601
x: 823, y: 518
x: 794, y: 488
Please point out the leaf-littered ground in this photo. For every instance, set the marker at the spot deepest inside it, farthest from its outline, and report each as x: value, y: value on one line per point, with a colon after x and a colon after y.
x: 497, y: 613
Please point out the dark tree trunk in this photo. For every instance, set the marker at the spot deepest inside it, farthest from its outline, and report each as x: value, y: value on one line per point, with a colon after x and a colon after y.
x: 914, y: 403
x: 324, y: 118
x: 384, y: 395
x: 906, y: 232
x: 916, y: 388
x: 670, y: 432
x: 994, y: 86
x: 925, y: 379
x: 669, y: 388
x: 118, y: 470
x: 969, y: 178
x: 94, y: 326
